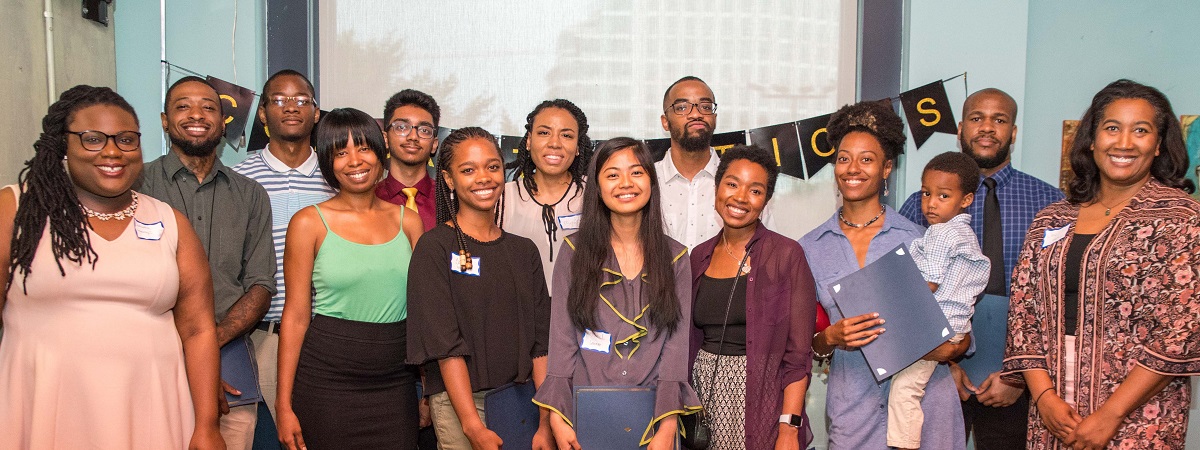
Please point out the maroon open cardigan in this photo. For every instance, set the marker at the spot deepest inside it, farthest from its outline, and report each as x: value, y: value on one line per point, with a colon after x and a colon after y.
x: 781, y: 303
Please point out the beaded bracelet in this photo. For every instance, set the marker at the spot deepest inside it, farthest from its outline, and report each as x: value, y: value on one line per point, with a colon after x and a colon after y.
x: 819, y: 356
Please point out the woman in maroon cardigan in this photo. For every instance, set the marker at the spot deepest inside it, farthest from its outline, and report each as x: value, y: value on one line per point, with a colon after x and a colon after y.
x: 753, y: 316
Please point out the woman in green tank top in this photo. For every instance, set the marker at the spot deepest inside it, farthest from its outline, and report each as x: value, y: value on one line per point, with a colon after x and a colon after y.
x: 342, y: 378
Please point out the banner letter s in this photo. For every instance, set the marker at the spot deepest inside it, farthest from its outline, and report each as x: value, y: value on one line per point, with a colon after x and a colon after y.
x: 937, y: 116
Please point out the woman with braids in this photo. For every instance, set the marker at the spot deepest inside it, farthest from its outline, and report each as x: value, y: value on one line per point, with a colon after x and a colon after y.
x: 342, y: 378
x: 1104, y: 307
x: 544, y: 202
x: 478, y: 300
x: 622, y: 299
x: 109, y: 335
x: 868, y: 137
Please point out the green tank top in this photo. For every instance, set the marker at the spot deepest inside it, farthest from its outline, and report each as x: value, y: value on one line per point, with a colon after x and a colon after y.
x: 366, y: 283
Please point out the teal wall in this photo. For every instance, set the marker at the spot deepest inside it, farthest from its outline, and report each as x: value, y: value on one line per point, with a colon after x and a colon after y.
x: 1052, y: 57
x: 200, y: 36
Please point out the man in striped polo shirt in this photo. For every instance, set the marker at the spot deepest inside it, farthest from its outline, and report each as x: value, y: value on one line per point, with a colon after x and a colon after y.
x: 288, y: 169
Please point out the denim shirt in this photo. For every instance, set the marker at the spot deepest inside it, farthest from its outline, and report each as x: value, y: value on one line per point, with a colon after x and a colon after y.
x: 855, y: 403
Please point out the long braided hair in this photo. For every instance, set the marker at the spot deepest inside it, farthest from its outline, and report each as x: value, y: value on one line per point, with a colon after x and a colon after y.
x: 48, y: 193
x: 448, y: 205
x: 525, y: 165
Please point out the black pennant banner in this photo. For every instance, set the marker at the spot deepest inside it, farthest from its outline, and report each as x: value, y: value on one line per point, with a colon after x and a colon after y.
x: 509, y: 148
x: 236, y: 104
x: 723, y: 141
x: 928, y: 111
x: 658, y: 147
x: 814, y: 140
x: 781, y: 141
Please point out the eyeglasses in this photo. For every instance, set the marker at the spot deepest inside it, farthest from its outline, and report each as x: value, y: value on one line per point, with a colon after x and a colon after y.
x: 299, y: 100
x: 95, y: 141
x: 402, y: 129
x: 683, y: 107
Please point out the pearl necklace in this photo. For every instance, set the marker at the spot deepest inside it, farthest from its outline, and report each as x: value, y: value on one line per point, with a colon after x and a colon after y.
x: 862, y: 225
x: 123, y: 214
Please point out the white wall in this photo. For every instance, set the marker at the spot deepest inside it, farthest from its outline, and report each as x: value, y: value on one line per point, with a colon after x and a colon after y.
x: 83, y: 54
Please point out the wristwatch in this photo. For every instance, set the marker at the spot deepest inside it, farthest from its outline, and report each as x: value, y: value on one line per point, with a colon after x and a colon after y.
x: 793, y: 420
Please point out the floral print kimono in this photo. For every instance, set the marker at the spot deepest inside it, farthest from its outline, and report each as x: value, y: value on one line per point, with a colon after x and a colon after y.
x: 1138, y: 305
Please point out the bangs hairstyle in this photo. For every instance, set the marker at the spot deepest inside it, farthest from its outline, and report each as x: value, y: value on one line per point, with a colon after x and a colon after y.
x: 593, y: 245
x: 334, y: 132
x: 1170, y: 167
x: 754, y: 154
x: 958, y: 164
x: 876, y: 118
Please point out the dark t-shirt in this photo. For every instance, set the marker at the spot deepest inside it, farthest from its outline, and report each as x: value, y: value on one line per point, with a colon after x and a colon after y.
x: 497, y: 316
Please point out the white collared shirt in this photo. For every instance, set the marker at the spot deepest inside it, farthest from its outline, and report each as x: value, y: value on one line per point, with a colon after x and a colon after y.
x: 687, y: 205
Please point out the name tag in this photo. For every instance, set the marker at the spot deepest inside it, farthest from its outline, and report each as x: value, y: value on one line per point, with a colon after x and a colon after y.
x: 1054, y: 235
x: 570, y: 222
x: 456, y: 265
x: 596, y: 341
x: 148, y: 231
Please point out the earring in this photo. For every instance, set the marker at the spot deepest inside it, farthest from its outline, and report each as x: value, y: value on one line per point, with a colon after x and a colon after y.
x: 885, y: 190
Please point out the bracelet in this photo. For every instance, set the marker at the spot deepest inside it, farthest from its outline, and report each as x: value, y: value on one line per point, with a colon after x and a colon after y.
x: 819, y: 356
x: 1039, y: 396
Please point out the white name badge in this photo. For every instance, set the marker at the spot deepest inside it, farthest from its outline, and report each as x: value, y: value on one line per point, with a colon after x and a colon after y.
x: 596, y: 341
x: 570, y: 222
x: 1054, y: 235
x: 456, y: 265
x: 148, y: 231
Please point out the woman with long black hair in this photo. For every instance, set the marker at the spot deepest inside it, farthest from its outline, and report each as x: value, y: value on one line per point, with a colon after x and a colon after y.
x: 621, y: 299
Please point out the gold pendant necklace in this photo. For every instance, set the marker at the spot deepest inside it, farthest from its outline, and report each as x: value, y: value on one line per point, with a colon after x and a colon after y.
x: 746, y: 266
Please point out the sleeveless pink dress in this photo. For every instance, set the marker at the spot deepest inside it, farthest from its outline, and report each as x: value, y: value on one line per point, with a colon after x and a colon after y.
x: 93, y: 359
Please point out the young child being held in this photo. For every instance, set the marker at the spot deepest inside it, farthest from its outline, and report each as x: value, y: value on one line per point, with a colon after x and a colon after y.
x: 957, y: 271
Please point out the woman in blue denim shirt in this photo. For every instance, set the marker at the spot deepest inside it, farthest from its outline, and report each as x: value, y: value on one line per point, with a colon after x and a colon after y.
x: 868, y: 137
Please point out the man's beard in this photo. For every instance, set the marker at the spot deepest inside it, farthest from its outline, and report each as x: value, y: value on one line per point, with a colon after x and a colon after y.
x: 986, y: 163
x: 700, y: 141
x: 196, y: 149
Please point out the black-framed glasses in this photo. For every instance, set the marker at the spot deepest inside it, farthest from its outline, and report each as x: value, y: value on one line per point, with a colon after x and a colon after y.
x: 92, y: 140
x: 299, y: 100
x: 402, y: 129
x: 683, y: 107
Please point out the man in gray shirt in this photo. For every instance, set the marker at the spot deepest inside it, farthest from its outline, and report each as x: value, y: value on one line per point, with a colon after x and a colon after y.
x: 232, y: 217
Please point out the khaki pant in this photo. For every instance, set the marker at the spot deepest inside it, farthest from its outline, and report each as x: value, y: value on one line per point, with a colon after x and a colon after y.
x: 905, y: 417
x: 266, y: 351
x: 445, y: 422
x: 237, y: 427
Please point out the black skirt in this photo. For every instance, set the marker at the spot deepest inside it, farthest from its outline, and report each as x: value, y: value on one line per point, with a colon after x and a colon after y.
x: 352, y: 388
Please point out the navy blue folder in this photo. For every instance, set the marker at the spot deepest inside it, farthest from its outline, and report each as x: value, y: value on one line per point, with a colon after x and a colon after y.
x: 512, y: 415
x: 240, y: 371
x: 612, y: 417
x: 893, y: 287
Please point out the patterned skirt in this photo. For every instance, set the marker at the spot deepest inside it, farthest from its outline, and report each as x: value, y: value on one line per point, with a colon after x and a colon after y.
x: 724, y: 398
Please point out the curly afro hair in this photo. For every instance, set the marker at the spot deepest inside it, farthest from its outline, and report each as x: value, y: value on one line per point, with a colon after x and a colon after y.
x: 876, y: 118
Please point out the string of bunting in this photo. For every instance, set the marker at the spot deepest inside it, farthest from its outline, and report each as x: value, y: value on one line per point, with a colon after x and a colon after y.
x: 801, y: 148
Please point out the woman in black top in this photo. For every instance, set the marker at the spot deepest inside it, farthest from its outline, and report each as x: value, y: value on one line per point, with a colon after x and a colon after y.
x: 477, y: 301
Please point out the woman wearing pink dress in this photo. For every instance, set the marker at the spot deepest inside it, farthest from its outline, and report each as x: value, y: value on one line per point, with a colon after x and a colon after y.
x: 106, y: 291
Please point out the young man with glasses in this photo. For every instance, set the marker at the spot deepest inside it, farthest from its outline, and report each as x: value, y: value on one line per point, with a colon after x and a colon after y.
x: 410, y: 128
x: 288, y: 169
x: 232, y: 217
x: 686, y: 174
